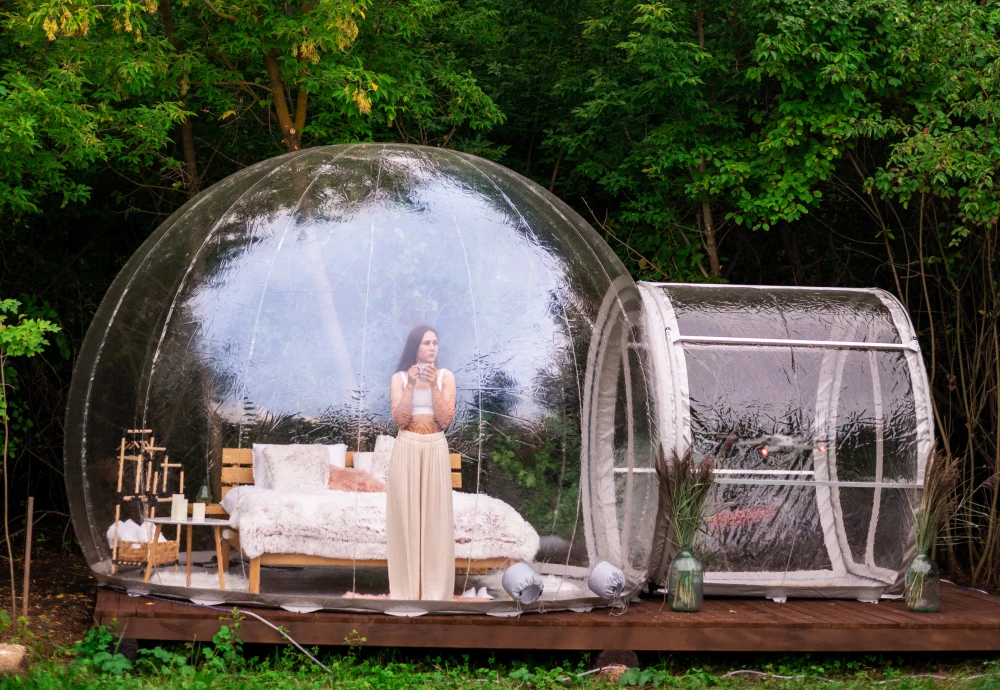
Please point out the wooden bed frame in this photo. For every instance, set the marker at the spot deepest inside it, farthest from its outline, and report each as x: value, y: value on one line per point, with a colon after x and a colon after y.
x: 237, y: 469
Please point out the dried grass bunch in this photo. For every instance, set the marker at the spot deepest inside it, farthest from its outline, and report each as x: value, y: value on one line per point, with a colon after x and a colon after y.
x: 684, y: 485
x: 938, y: 501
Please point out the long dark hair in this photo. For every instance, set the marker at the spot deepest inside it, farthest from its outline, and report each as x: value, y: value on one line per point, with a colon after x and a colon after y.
x: 409, y: 356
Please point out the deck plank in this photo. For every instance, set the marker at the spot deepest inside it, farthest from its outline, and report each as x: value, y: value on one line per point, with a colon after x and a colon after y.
x: 977, y: 607
x: 965, y: 623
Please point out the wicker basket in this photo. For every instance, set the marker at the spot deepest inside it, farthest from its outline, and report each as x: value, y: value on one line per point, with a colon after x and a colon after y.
x: 136, y: 552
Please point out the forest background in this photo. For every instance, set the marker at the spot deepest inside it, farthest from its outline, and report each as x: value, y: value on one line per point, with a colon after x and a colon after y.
x: 827, y: 142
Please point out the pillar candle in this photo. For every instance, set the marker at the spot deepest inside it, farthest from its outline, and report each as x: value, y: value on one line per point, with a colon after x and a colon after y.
x: 175, y: 507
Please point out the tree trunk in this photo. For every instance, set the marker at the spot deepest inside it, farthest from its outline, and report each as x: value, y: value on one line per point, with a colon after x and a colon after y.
x: 798, y: 271
x: 6, y: 487
x: 710, y: 244
x: 700, y: 17
x: 301, y: 105
x: 291, y: 134
x: 192, y: 181
x: 708, y: 224
x: 555, y: 171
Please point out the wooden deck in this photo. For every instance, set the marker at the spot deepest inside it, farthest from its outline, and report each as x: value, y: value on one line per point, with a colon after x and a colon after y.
x: 967, y: 621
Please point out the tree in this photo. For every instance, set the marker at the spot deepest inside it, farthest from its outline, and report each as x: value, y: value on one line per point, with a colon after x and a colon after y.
x: 655, y: 118
x: 23, y: 338
x: 67, y: 106
x: 244, y: 80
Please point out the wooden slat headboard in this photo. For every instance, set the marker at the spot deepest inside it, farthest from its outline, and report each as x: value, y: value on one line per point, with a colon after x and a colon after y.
x: 237, y: 468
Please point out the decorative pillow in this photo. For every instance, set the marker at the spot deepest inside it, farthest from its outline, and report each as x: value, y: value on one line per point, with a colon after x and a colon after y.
x: 380, y: 460
x: 338, y: 455
x: 231, y: 500
x: 260, y: 477
x: 363, y: 462
x: 298, y: 469
x: 347, y: 479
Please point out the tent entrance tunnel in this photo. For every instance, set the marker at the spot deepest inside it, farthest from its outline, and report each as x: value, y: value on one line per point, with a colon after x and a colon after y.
x: 270, y: 311
x: 816, y: 405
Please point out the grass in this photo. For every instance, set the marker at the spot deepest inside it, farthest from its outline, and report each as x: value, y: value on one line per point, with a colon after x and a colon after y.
x: 97, y: 663
x: 291, y: 671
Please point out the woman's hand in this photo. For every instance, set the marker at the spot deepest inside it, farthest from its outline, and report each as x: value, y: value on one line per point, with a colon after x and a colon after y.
x: 430, y: 373
x: 412, y: 374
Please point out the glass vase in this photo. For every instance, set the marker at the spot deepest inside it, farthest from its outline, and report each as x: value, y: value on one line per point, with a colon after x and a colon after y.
x: 923, y: 584
x: 685, y: 582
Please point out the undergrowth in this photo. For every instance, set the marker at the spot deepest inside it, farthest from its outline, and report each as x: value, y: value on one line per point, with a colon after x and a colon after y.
x: 100, y: 662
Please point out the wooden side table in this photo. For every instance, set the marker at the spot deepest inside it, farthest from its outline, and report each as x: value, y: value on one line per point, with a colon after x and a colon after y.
x: 216, y: 526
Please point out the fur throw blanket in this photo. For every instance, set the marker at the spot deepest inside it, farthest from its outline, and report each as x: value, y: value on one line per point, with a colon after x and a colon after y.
x: 327, y: 524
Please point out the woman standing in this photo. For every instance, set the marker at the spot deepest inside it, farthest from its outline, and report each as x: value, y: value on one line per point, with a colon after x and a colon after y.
x: 419, y: 527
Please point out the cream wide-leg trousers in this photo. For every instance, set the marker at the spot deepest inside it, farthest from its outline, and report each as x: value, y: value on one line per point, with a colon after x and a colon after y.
x: 420, y: 530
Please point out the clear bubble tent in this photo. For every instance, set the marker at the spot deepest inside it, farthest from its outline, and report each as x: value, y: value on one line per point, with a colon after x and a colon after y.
x: 272, y: 309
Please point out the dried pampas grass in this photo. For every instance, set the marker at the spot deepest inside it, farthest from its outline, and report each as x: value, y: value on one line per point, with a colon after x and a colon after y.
x: 938, y: 501
x: 684, y: 486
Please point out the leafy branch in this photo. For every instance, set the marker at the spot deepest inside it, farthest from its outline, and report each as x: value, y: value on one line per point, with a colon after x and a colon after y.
x: 23, y: 337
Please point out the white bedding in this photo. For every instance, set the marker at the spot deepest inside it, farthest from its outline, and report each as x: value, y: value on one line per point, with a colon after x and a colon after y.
x: 340, y: 524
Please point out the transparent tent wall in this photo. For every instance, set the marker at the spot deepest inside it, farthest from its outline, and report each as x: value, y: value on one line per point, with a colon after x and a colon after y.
x: 272, y: 308
x: 814, y: 404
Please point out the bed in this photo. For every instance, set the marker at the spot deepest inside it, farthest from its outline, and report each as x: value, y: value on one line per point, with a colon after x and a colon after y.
x: 347, y: 528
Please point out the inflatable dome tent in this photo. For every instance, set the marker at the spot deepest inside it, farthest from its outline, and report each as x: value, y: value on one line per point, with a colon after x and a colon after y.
x: 272, y: 309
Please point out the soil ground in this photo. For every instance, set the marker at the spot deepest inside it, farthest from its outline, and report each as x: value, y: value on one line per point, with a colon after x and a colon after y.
x: 60, y: 604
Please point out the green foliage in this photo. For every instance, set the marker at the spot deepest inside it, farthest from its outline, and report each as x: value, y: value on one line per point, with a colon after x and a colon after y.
x: 98, y: 651
x: 19, y: 337
x: 163, y: 661
x: 545, y: 464
x: 226, y: 652
x: 70, y: 105
x: 112, y: 82
x: 288, y: 669
x: 644, y: 677
x: 354, y: 640
x: 25, y: 337
x: 639, y: 131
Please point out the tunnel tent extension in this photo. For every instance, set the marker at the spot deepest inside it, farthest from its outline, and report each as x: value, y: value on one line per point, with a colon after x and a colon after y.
x: 272, y: 309
x: 817, y: 405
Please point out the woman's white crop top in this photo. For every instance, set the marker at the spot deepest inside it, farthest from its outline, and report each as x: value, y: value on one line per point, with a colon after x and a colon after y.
x: 422, y: 397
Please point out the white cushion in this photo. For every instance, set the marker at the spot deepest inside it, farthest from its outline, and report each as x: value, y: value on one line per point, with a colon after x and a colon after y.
x: 260, y: 477
x: 298, y: 468
x: 338, y: 455
x: 231, y: 500
x: 363, y: 463
x: 382, y: 455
